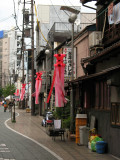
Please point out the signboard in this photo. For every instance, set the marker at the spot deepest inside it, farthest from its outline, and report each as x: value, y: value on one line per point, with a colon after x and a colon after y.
x: 68, y: 62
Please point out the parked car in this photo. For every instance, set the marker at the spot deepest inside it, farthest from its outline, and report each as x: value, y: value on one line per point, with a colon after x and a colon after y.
x: 48, y: 119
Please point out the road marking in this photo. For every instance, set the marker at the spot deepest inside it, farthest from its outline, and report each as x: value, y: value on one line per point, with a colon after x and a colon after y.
x: 3, y: 148
x: 41, y: 145
x: 2, y: 145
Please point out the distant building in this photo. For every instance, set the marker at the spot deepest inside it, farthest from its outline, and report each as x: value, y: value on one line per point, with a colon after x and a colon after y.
x: 4, y: 74
x: 8, y: 57
x: 48, y: 15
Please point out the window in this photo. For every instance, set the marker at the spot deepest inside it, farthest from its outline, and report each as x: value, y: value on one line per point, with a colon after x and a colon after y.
x: 115, y: 114
x: 102, y: 95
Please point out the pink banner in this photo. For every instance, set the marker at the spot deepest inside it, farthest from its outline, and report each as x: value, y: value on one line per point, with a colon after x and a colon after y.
x: 38, y: 85
x: 17, y: 94
x: 58, y: 79
x: 22, y: 92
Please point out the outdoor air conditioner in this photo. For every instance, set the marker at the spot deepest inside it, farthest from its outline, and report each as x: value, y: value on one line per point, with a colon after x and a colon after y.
x: 95, y: 38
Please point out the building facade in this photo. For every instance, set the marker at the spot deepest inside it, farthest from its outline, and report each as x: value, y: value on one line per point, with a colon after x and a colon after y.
x: 101, y: 85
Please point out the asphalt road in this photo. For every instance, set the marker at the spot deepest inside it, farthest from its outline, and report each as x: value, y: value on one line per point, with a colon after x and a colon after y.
x: 16, y: 147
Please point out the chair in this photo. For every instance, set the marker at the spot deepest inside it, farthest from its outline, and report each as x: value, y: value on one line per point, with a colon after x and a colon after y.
x: 57, y: 130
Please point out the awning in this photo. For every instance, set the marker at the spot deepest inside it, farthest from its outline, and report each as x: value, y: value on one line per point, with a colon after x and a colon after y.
x: 96, y: 74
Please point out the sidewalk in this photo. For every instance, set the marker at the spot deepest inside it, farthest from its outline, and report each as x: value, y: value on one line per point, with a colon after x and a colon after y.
x: 31, y: 126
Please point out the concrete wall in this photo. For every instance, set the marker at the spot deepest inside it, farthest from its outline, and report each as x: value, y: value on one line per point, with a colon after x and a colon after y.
x: 82, y: 51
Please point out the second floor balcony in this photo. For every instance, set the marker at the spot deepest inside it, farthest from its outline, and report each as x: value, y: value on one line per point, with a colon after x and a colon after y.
x: 111, y: 35
x: 60, y: 31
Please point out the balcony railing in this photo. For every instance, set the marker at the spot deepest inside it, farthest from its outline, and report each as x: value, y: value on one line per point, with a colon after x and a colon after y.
x: 62, y: 27
x: 60, y: 31
x: 112, y: 34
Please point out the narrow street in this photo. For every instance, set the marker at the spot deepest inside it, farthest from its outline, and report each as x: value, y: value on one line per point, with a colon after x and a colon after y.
x: 16, y: 147
x: 35, y: 144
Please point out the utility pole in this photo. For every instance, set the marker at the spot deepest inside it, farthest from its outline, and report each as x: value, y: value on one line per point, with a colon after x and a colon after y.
x: 23, y: 47
x: 71, y: 19
x: 32, y: 49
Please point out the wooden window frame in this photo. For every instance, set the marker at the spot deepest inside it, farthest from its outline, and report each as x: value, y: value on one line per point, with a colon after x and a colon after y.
x: 102, y: 95
x: 115, y: 114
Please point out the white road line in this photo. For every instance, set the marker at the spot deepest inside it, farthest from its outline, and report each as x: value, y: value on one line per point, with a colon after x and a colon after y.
x: 41, y: 145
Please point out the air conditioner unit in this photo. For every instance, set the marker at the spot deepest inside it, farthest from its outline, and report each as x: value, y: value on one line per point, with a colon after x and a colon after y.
x: 95, y: 38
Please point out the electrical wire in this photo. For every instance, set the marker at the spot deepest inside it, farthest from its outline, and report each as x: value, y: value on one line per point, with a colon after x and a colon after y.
x: 4, y: 19
x: 80, y: 14
x: 71, y: 4
x: 59, y: 16
x: 39, y: 26
x: 86, y: 18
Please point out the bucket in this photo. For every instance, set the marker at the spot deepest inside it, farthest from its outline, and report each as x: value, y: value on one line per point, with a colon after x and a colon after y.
x: 101, y: 147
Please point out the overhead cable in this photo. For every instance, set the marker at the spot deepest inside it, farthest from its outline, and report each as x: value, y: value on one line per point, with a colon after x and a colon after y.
x: 39, y: 26
x: 4, y: 19
x: 58, y: 16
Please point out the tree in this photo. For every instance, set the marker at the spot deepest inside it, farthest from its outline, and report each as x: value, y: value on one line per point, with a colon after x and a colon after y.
x: 9, y: 90
x: 63, y: 113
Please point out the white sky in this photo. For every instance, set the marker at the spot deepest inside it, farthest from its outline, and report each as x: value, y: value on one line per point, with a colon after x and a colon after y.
x: 7, y: 20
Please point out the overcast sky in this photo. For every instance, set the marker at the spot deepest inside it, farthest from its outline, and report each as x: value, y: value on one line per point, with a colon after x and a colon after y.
x: 7, y: 10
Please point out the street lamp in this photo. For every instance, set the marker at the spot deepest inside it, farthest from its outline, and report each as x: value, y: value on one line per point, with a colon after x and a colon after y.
x: 46, y: 52
x: 72, y: 19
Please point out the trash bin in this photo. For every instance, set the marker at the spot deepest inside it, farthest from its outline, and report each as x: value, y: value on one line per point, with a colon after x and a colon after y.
x: 101, y: 147
x: 84, y: 133
x: 81, y: 120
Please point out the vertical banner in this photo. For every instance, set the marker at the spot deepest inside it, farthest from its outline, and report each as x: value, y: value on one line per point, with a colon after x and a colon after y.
x: 38, y: 85
x: 22, y: 92
x: 58, y: 80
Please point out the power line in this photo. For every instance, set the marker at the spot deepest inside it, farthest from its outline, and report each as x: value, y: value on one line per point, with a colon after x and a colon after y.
x: 58, y: 15
x: 80, y: 14
x: 86, y: 18
x: 72, y: 4
x: 39, y: 25
x: 4, y: 19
